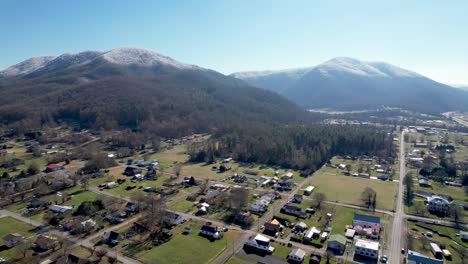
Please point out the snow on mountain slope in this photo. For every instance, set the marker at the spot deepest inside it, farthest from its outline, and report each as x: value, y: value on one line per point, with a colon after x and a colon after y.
x: 27, y: 66
x: 336, y: 65
x: 122, y: 56
x: 142, y: 57
x: 295, y: 73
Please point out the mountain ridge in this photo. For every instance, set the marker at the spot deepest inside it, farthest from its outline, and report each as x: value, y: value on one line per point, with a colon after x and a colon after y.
x: 137, y: 89
x: 345, y: 83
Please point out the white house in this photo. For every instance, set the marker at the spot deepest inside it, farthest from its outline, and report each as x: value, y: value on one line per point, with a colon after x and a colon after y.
x: 60, y: 209
x: 464, y: 235
x: 437, y: 204
x: 297, y: 255
x: 260, y: 242
x: 367, y: 248
x: 309, y: 190
x: 311, y: 234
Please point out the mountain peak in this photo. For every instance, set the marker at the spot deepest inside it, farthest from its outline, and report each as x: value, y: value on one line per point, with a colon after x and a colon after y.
x: 141, y: 57
x: 363, y: 68
x: 126, y: 56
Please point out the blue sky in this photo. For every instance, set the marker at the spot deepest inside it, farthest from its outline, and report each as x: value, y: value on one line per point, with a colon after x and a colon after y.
x: 426, y: 36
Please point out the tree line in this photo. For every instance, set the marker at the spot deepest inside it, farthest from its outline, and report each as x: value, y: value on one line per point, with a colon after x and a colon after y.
x: 302, y: 147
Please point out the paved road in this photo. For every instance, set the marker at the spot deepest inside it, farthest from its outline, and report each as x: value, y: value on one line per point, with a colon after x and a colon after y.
x: 76, y: 240
x: 20, y: 218
x: 261, y: 221
x: 396, y: 235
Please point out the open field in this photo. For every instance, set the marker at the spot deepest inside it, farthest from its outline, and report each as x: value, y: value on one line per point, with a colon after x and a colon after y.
x: 190, y: 248
x: 420, y: 243
x: 342, y: 216
x: 10, y: 225
x: 348, y: 189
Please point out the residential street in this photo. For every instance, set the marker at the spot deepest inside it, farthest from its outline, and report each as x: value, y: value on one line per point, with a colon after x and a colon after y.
x: 398, y: 225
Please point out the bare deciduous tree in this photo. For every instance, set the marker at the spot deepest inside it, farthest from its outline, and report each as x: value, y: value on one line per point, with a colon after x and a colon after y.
x: 319, y: 199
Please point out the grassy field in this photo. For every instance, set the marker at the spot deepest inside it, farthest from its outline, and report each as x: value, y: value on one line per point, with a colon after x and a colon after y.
x: 10, y: 225
x: 347, y: 189
x: 420, y: 243
x: 190, y: 248
x: 342, y: 216
x: 457, y: 193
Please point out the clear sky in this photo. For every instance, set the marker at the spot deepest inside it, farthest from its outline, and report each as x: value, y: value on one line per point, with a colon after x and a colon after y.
x: 426, y: 36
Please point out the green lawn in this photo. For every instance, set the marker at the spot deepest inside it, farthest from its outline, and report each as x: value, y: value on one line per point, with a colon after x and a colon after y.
x: 348, y: 189
x: 342, y: 216
x: 190, y: 248
x: 420, y: 243
x: 10, y: 225
x: 457, y: 193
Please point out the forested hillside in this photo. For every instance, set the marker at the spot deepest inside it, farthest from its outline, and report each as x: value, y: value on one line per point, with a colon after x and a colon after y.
x: 305, y: 147
x: 155, y: 94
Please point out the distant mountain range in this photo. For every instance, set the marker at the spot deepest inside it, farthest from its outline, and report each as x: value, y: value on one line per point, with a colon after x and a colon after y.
x: 134, y: 88
x: 350, y: 84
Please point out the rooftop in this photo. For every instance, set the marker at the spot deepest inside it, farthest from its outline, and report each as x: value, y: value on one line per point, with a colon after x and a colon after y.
x: 367, y: 218
x: 363, y: 243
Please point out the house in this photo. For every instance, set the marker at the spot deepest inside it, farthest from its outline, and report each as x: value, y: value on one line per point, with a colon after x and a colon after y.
x: 37, y: 204
x: 315, y: 258
x: 227, y: 160
x: 150, y: 175
x: 211, y: 232
x: 424, y: 182
x: 131, y: 171
x: 366, y: 221
x: 366, y: 248
x: 257, y: 209
x: 260, y: 242
x: 313, y: 233
x: 44, y: 243
x: 88, y: 224
x: 337, y: 243
x: 414, y: 257
x: 293, y: 210
x: 435, y: 249
x: 60, y: 209
x: 437, y: 204
x: 111, y: 238
x: 131, y: 207
x: 224, y: 167
x: 53, y: 167
x: 309, y: 190
x: 300, y: 226
x: 272, y: 227
x: 210, y: 195
x: 173, y: 219
x: 297, y: 255
x: 12, y: 239
x: 114, y: 217
x: 464, y: 235
x: 74, y: 259
x: 383, y: 177
x: 251, y: 172
x: 287, y: 176
x: 297, y: 198
x: 111, y: 185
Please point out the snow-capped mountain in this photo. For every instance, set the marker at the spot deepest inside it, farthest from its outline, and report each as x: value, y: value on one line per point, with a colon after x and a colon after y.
x: 125, y: 56
x: 142, y: 57
x: 27, y: 66
x: 346, y: 83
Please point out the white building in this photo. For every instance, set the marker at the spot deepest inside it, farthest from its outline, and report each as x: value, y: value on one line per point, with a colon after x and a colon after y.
x: 260, y: 242
x: 309, y: 190
x: 367, y: 248
x: 438, y: 204
x: 297, y: 255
